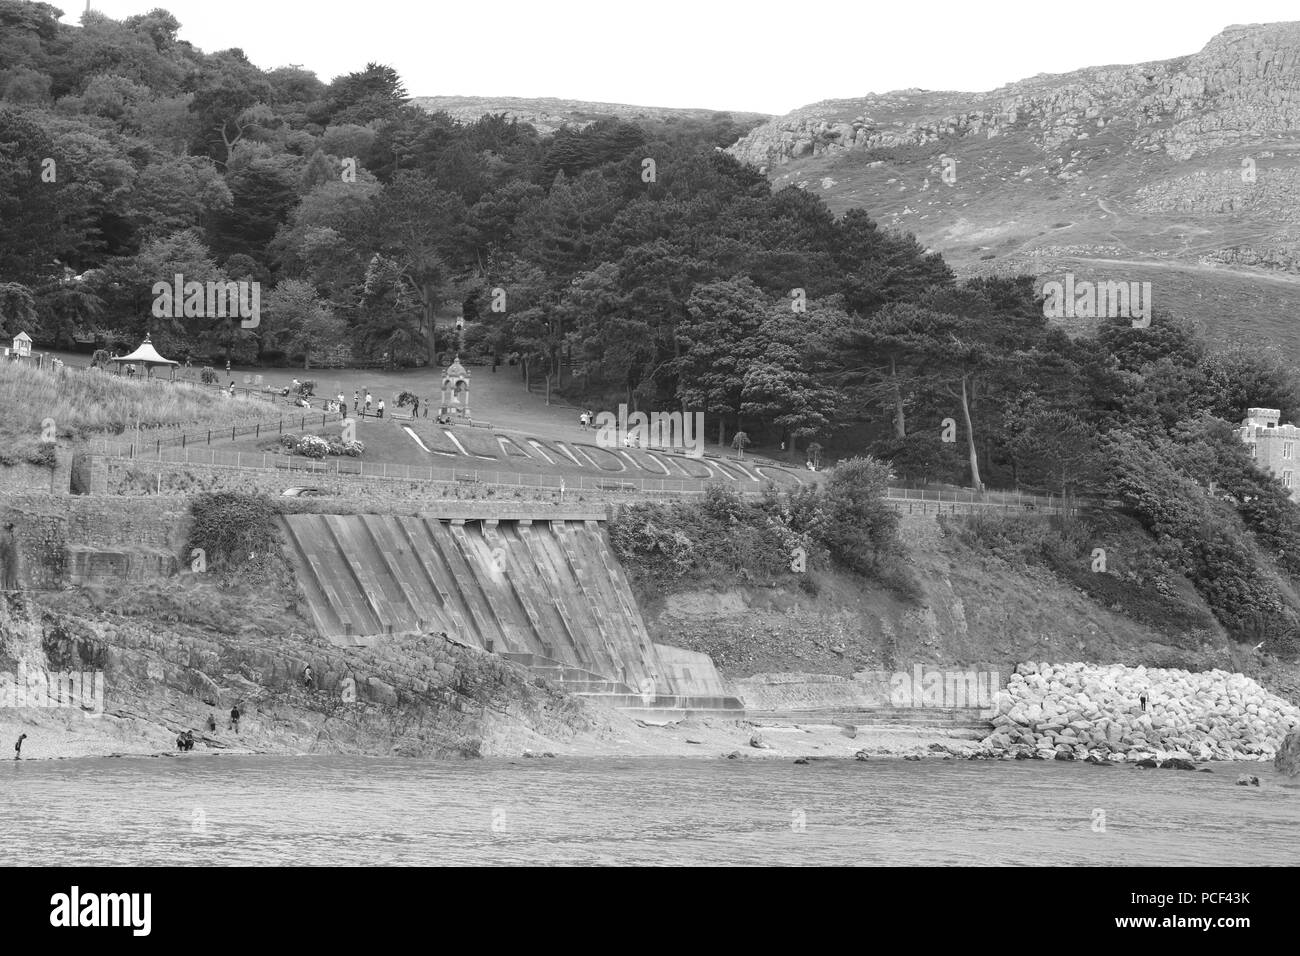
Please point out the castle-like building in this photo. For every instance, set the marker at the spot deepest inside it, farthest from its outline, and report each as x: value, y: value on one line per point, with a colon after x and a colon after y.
x: 1273, y: 446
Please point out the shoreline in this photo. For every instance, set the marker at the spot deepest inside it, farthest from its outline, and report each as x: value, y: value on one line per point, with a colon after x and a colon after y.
x: 706, y: 739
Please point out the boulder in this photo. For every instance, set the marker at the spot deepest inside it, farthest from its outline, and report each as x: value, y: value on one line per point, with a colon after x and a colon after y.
x: 757, y: 741
x: 1248, y: 780
x: 1147, y: 764
x: 1287, y: 761
x: 1177, y: 763
x: 1064, y: 755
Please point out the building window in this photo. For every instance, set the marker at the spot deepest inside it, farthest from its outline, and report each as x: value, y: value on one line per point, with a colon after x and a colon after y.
x: 1286, y: 478
x: 1286, y: 448
x: 1252, y: 450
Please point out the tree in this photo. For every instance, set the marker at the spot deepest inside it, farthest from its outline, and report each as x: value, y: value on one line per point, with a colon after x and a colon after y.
x: 417, y: 227
x: 719, y: 343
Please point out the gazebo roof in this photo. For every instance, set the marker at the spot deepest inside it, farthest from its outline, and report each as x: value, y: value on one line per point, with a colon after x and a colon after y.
x: 145, y: 354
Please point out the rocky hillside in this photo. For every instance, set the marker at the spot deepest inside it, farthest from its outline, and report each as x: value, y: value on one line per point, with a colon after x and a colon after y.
x: 166, y: 672
x: 547, y: 114
x: 1184, y: 172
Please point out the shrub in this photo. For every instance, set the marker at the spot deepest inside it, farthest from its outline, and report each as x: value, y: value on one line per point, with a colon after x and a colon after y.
x: 235, y: 531
x: 312, y: 446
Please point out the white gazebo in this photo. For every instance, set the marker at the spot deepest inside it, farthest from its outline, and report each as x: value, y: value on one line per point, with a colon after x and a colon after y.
x: 147, y: 356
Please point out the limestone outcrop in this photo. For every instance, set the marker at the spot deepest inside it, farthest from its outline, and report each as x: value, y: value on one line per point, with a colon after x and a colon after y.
x: 1090, y: 709
x: 1241, y: 88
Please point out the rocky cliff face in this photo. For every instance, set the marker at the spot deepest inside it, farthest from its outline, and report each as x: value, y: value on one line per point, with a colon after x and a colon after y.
x: 1184, y: 173
x: 1242, y: 87
x: 418, y: 697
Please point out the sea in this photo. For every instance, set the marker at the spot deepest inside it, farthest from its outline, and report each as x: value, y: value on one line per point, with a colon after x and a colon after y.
x: 323, y: 811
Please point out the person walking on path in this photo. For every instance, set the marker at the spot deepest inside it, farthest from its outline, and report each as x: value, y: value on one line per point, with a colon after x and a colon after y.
x: 18, y: 747
x: 583, y: 420
x: 416, y: 413
x: 426, y: 406
x: 343, y: 405
x: 381, y: 408
x: 368, y: 403
x: 234, y: 718
x: 356, y: 399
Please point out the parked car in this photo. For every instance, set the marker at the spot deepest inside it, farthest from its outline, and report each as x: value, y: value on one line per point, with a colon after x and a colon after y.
x: 304, y: 493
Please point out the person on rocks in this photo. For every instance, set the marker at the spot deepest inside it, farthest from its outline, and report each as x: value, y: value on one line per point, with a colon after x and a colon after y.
x: 1142, y: 699
x: 18, y: 747
x: 234, y: 718
x: 212, y: 722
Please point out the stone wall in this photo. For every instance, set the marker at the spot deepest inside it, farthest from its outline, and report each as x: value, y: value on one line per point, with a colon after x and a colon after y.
x: 49, y: 541
x: 134, y: 478
x: 22, y: 477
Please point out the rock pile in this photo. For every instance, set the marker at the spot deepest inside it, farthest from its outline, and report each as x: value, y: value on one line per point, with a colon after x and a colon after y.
x: 1096, y: 709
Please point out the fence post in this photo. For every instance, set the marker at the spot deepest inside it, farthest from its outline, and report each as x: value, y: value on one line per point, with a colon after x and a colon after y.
x: 209, y: 436
x: 258, y: 432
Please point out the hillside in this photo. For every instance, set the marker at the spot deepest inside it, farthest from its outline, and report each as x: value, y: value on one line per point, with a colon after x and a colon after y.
x: 1183, y: 172
x: 977, y: 604
x: 548, y: 114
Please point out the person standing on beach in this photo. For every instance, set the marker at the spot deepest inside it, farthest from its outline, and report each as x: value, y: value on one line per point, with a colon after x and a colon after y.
x: 1143, y: 700
x: 234, y: 718
x: 18, y: 747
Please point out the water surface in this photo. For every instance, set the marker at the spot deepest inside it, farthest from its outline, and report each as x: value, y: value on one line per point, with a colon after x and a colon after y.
x: 344, y: 810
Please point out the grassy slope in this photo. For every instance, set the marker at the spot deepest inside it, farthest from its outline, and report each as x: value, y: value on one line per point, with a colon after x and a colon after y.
x: 1009, y: 211
x: 89, y: 404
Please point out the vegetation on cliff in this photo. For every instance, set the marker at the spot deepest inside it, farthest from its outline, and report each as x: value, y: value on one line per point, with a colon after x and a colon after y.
x: 726, y: 538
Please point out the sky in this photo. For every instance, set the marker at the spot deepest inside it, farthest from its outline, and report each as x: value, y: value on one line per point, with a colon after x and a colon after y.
x: 759, y: 56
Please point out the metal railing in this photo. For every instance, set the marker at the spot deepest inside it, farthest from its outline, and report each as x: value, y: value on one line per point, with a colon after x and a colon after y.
x: 1008, y: 498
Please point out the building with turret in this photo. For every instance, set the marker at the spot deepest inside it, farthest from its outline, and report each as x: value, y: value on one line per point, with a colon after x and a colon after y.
x: 1273, y: 446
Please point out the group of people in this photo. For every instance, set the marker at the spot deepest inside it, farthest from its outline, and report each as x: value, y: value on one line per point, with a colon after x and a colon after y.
x: 185, y: 739
x: 587, y: 419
